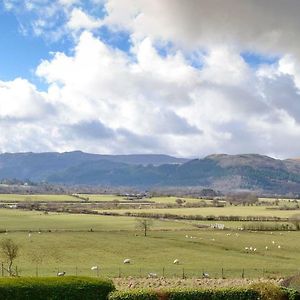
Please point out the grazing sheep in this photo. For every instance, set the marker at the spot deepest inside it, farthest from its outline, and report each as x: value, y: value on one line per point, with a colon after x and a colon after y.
x: 94, y: 268
x: 152, y: 275
x: 246, y: 249
x: 254, y: 249
x: 205, y: 275
x: 60, y: 274
x: 279, y: 246
x: 126, y: 261
x: 176, y: 262
x: 29, y: 235
x: 273, y: 242
x: 250, y: 248
x: 267, y: 247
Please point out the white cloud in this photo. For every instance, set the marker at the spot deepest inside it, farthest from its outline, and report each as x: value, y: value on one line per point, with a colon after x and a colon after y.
x: 268, y: 25
x: 80, y: 20
x: 145, y: 102
x: 21, y: 100
x: 155, y: 98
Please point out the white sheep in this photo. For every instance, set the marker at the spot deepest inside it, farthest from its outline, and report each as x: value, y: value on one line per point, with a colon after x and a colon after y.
x: 126, y: 261
x: 152, y: 275
x: 279, y: 246
x: 205, y: 275
x: 267, y: 247
x: 60, y: 274
x: 176, y: 261
x: 94, y: 268
x: 247, y: 249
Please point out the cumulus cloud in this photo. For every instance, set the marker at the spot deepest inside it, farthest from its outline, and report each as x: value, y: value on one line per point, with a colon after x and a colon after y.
x: 80, y: 20
x: 183, y: 87
x: 268, y: 25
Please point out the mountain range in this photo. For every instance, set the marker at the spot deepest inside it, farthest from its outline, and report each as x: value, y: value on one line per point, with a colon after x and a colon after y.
x: 223, y: 172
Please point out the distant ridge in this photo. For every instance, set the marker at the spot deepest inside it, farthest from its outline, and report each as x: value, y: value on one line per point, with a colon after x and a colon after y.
x: 223, y: 172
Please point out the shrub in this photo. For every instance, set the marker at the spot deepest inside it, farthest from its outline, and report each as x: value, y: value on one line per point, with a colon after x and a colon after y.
x: 187, y: 294
x: 55, y: 288
x: 134, y: 295
x: 269, y: 291
x: 214, y: 294
x: 291, y: 294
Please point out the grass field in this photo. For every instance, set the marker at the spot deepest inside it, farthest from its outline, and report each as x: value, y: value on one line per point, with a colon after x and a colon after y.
x: 165, y: 200
x: 71, y: 247
x: 19, y: 198
x: 218, y: 211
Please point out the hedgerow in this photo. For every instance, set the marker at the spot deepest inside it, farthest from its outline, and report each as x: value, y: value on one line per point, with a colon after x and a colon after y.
x: 55, y: 288
x: 134, y: 295
x: 261, y: 291
x: 187, y: 294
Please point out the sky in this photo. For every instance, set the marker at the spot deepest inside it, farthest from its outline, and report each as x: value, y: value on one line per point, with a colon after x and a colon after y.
x: 185, y: 78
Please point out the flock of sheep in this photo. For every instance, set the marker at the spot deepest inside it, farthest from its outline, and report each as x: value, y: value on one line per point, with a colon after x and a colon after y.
x: 126, y: 262
x: 253, y: 249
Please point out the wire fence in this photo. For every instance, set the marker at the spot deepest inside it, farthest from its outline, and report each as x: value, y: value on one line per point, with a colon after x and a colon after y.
x: 146, y: 272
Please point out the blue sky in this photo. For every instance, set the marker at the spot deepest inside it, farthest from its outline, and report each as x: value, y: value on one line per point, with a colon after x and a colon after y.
x: 19, y: 54
x: 149, y: 77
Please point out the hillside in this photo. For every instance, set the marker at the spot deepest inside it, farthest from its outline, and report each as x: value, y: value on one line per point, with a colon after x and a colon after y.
x: 38, y: 166
x: 220, y: 171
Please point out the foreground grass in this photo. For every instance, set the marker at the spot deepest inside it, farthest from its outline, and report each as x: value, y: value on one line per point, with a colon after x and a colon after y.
x: 72, y: 247
x: 209, y: 251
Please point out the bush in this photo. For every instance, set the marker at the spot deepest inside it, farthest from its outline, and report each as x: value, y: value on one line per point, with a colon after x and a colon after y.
x: 134, y: 295
x: 214, y: 294
x: 187, y: 294
x: 55, y: 288
x: 291, y: 294
x: 269, y: 291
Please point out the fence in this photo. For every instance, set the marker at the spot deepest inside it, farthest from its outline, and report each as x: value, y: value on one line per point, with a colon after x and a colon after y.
x: 144, y: 272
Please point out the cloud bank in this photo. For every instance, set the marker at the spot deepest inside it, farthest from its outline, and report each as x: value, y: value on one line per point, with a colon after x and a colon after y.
x: 183, y: 86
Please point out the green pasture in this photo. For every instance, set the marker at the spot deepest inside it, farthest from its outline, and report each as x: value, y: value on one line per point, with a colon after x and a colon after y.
x: 17, y: 220
x: 164, y: 200
x: 217, y: 211
x: 198, y: 251
x: 72, y: 247
x: 101, y: 197
x: 43, y: 198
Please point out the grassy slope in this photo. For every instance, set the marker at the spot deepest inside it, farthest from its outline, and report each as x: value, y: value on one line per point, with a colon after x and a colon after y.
x: 116, y: 239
